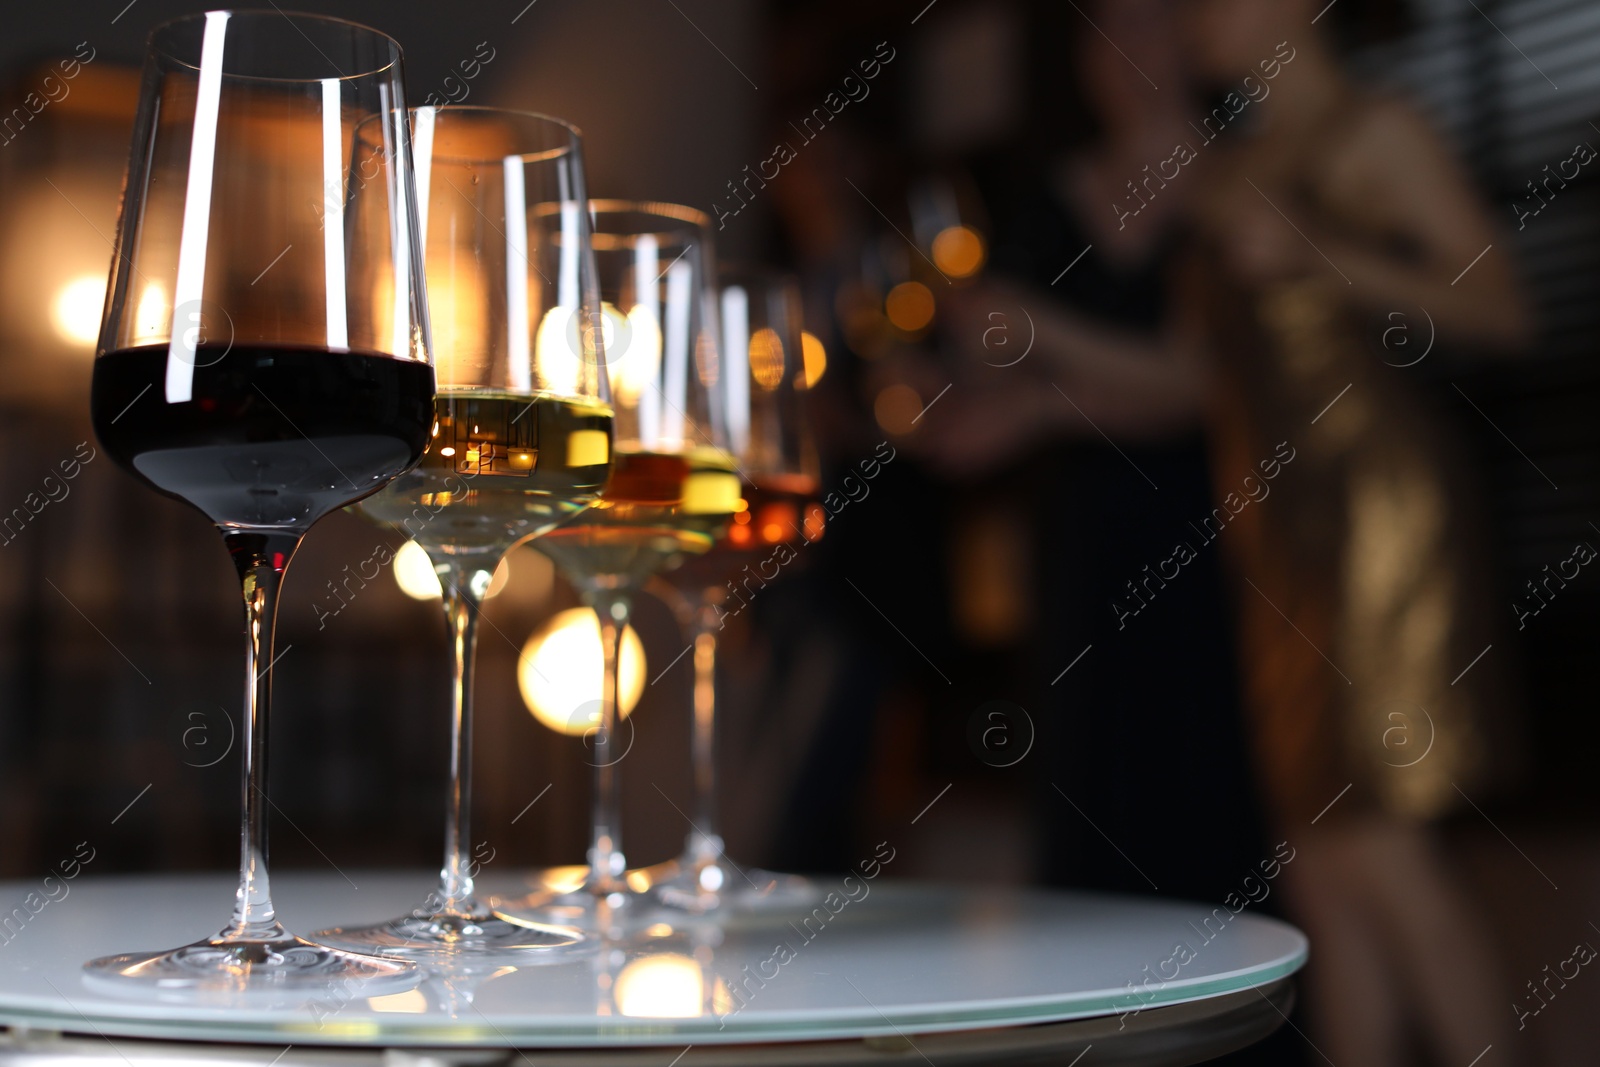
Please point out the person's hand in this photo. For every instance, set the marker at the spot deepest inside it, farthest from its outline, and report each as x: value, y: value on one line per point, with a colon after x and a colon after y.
x: 981, y: 426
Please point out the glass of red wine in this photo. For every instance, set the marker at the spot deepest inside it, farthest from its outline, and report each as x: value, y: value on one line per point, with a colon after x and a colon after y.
x: 264, y: 358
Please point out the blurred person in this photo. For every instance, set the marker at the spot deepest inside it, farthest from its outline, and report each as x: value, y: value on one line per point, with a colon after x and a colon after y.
x: 1324, y: 215
x: 1372, y: 552
x: 1155, y: 698
x: 1150, y: 709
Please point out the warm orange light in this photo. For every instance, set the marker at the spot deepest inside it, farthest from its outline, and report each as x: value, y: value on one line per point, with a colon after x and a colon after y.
x: 76, y: 311
x: 909, y: 306
x: 766, y: 358
x: 665, y: 986
x: 958, y: 251
x: 896, y: 408
x: 779, y: 520
x: 561, y: 879
x: 411, y: 1002
x: 813, y: 357
x: 816, y: 521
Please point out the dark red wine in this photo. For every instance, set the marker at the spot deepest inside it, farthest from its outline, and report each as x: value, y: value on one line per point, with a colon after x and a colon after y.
x: 272, y: 436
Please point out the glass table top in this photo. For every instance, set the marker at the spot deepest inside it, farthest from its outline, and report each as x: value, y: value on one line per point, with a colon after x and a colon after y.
x: 860, y: 959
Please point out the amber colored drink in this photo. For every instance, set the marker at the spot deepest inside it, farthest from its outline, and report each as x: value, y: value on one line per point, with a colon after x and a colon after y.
x: 658, y: 510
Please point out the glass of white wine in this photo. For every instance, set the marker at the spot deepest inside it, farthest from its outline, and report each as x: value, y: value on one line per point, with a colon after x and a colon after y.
x: 674, y: 486
x: 521, y: 437
x: 779, y: 515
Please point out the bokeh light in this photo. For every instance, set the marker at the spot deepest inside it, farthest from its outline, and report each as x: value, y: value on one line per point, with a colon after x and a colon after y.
x: 766, y: 358
x: 669, y: 985
x: 814, y: 358
x: 896, y: 408
x: 958, y: 251
x: 909, y: 306
x: 414, y: 574
x: 76, y: 311
x: 559, y: 672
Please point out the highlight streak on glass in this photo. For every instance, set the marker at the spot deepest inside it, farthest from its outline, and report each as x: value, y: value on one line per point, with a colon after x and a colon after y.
x: 647, y: 277
x: 422, y: 155
x: 333, y: 217
x: 680, y: 294
x: 516, y: 276
x: 190, y: 284
x: 571, y: 249
x: 736, y: 355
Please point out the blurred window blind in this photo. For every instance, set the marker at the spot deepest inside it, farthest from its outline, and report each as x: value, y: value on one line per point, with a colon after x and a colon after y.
x: 1516, y: 85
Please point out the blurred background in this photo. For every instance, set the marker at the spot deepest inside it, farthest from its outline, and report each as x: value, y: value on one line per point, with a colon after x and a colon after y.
x: 1236, y: 363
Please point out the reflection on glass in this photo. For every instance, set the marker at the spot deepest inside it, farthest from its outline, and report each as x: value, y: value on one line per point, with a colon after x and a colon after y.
x: 666, y: 985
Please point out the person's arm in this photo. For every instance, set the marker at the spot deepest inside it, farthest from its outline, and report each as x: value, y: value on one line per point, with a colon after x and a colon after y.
x: 1127, y: 384
x: 1078, y: 378
x: 1462, y: 273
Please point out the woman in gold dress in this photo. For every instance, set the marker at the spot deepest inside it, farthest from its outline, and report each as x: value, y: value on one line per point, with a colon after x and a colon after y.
x: 1334, y: 230
x: 1333, y: 240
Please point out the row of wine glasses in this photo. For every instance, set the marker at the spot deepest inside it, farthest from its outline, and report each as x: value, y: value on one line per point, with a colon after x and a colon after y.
x: 268, y: 356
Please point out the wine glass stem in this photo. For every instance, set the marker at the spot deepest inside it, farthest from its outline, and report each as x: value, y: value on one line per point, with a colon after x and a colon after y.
x: 464, y: 588
x: 260, y: 559
x: 607, y: 864
x: 704, y: 831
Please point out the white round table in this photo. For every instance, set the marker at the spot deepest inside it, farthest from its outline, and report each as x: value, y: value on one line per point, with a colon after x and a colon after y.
x: 878, y: 972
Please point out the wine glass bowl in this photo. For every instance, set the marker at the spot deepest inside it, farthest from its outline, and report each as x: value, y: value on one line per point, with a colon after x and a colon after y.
x: 672, y: 488
x: 240, y: 294
x: 521, y: 437
x: 264, y: 357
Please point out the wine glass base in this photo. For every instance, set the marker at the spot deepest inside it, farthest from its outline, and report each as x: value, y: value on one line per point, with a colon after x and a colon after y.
x: 283, y: 969
x: 564, y: 898
x: 699, y: 884
x: 445, y: 934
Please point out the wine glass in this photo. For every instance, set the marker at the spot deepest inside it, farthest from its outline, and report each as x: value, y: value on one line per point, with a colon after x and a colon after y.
x: 779, y: 516
x: 521, y: 437
x: 674, y: 486
x: 264, y: 358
